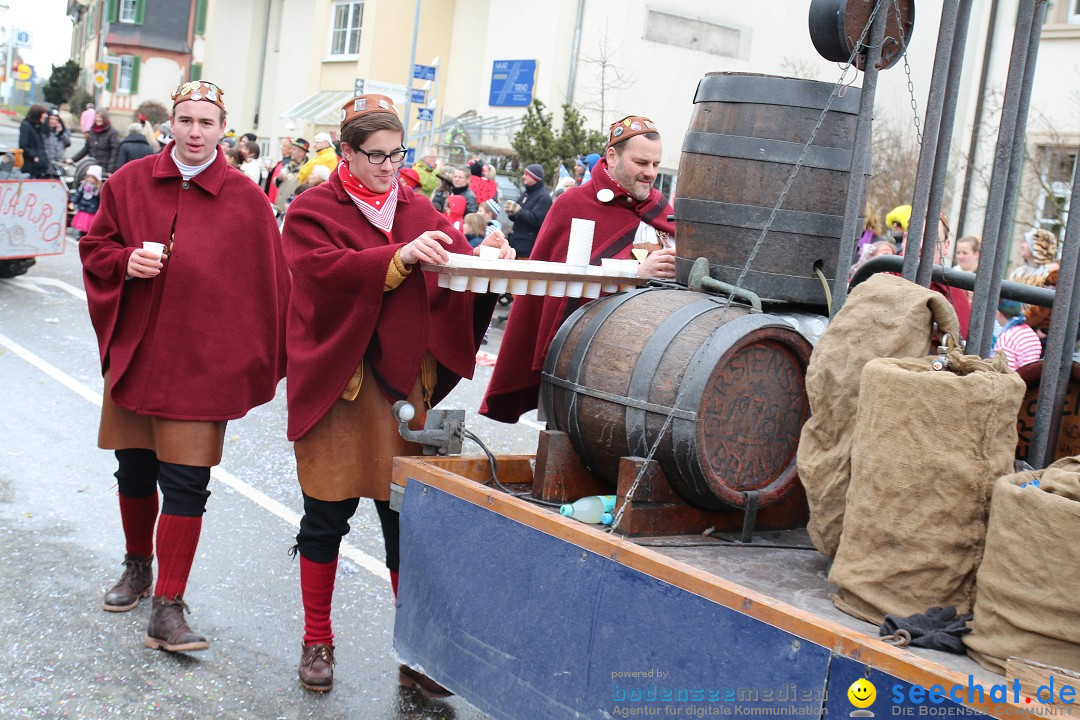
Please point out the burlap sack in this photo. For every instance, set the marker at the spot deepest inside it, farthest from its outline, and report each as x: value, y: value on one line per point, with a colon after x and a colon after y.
x: 928, y: 446
x: 886, y: 316
x: 1027, y: 599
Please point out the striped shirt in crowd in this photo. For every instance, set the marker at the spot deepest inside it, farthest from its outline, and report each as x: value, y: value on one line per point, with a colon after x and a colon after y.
x: 1020, y: 344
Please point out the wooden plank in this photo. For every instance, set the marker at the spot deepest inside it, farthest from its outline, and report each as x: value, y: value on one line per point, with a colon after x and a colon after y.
x: 843, y: 641
x: 1044, y: 682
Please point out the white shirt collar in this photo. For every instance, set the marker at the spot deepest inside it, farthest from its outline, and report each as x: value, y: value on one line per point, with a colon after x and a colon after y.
x: 190, y: 171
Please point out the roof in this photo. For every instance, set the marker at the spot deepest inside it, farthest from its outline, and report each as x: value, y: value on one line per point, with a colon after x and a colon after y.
x: 321, y: 108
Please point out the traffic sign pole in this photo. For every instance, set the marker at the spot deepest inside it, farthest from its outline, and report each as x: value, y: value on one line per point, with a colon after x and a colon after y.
x: 412, y: 66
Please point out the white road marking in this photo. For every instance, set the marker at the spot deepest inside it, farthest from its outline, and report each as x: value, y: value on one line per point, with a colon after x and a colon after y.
x: 25, y: 283
x: 533, y: 423
x: 53, y: 282
x: 358, y: 556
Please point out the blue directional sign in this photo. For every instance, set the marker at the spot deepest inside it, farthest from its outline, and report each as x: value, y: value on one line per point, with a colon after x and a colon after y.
x: 410, y: 156
x: 425, y: 114
x: 512, y: 83
x: 423, y: 72
x: 417, y: 96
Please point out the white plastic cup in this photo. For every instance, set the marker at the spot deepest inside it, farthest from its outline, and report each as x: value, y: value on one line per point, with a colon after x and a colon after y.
x: 518, y: 286
x: 488, y: 253
x: 579, y: 245
x: 499, y: 285
x: 591, y: 290
x: 155, y: 247
x: 459, y: 283
x: 478, y: 284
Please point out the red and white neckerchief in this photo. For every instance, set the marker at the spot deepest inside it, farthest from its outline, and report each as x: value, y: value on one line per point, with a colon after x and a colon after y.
x: 378, y: 208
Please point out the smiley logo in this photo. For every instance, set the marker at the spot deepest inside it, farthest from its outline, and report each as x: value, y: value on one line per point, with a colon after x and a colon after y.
x: 862, y: 693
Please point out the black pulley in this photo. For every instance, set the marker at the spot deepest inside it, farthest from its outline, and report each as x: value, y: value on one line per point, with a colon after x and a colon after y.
x: 837, y: 25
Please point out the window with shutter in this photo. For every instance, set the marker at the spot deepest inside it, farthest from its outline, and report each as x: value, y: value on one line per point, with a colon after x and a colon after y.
x: 200, y: 17
x: 113, y: 11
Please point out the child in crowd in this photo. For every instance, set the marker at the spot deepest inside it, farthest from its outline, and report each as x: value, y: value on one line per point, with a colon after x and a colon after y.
x: 475, y: 228
x: 87, y: 200
x: 455, y: 210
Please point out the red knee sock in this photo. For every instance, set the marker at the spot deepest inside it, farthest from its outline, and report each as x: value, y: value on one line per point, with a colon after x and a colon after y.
x: 317, y: 589
x: 138, y: 516
x: 393, y: 582
x: 177, y: 539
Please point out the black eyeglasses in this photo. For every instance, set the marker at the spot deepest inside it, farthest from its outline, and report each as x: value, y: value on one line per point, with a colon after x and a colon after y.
x: 378, y: 158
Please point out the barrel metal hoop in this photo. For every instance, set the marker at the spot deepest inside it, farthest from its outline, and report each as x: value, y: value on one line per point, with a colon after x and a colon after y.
x: 547, y: 398
x: 709, y: 354
x: 620, y: 399
x: 645, y: 370
x: 791, y: 92
x: 577, y: 360
x: 753, y: 217
x: 765, y: 150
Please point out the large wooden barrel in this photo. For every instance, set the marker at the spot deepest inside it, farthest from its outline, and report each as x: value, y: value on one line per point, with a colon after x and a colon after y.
x: 746, y: 134
x: 1068, y: 443
x: 732, y: 383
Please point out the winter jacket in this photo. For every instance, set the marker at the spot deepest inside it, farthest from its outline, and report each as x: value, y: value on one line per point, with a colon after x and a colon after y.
x: 133, y: 147
x: 535, y: 203
x: 56, y: 143
x: 439, y: 199
x: 32, y: 142
x: 103, y: 146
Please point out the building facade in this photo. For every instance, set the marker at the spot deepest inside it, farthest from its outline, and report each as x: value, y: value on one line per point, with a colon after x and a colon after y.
x: 143, y: 49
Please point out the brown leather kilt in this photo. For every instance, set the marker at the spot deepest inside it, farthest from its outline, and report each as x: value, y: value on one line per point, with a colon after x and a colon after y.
x: 184, y: 442
x: 350, y: 452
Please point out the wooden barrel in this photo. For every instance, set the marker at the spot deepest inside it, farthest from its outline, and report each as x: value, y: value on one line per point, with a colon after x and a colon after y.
x: 732, y: 383
x: 1068, y: 443
x: 746, y: 134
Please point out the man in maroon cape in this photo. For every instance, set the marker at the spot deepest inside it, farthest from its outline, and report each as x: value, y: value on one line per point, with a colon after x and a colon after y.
x: 622, y: 202
x: 366, y: 327
x: 191, y: 334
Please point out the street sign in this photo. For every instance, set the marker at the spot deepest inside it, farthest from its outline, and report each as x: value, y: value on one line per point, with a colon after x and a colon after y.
x: 425, y: 114
x: 99, y: 79
x: 24, y: 72
x: 23, y: 85
x: 24, y: 39
x: 410, y: 156
x: 423, y: 72
x: 101, y: 67
x: 395, y: 91
x: 417, y: 96
x: 512, y: 83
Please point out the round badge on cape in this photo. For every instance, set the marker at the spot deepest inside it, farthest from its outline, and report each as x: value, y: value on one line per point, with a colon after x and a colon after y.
x: 196, y: 95
x: 605, y: 195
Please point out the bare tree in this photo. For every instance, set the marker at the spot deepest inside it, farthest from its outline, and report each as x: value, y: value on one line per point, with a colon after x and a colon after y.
x: 799, y: 68
x: 608, y: 77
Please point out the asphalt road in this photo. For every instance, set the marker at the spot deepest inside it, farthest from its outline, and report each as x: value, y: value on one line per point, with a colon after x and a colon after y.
x: 61, y: 545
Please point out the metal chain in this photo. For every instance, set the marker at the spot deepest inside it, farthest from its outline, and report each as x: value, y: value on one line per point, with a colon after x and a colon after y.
x: 907, y: 70
x: 749, y: 261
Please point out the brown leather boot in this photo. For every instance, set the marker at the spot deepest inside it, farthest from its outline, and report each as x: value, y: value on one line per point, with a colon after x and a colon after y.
x: 317, y: 668
x: 134, y: 584
x: 407, y: 677
x: 168, y: 630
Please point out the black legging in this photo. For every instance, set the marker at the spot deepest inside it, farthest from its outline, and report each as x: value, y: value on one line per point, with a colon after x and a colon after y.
x: 325, y: 522
x: 184, y: 488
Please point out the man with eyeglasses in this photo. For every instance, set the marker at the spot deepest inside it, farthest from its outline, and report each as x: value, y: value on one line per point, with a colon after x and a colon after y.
x: 191, y: 335
x: 367, y: 327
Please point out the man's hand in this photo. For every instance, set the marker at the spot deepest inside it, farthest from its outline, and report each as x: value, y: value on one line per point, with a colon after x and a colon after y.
x: 427, y: 248
x: 659, y: 265
x: 143, y: 264
x: 497, y: 240
x: 511, y: 208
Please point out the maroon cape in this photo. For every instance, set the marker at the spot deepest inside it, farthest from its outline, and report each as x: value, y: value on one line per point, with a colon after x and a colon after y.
x: 515, y: 382
x: 205, y: 339
x: 339, y: 313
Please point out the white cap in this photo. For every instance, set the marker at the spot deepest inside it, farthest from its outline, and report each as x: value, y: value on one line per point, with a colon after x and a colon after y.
x: 94, y: 171
x: 321, y: 171
x: 323, y: 137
